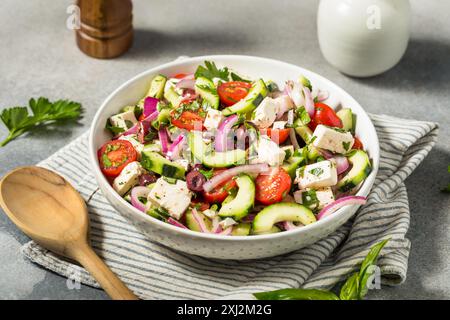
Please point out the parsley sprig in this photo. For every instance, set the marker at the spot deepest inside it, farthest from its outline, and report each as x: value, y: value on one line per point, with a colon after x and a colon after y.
x: 211, y: 71
x: 18, y: 120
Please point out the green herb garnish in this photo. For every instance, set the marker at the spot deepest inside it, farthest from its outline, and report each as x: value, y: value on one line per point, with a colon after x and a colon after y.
x: 303, y: 116
x: 346, y: 145
x: 355, y: 288
x: 18, y: 120
x: 207, y: 173
x: 235, y: 77
x: 211, y: 71
x: 316, y: 171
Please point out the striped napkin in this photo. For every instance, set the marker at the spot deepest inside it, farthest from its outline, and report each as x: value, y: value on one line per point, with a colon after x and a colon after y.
x: 154, y: 271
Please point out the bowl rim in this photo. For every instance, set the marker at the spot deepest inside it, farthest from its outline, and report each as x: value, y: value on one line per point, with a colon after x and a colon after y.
x: 364, y: 190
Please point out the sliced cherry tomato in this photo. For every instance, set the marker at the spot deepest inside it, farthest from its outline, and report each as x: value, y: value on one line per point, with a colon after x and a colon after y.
x: 180, y: 75
x: 115, y: 155
x: 233, y: 91
x: 187, y: 120
x: 272, y: 187
x: 219, y: 193
x: 358, y: 144
x: 324, y: 115
x: 141, y: 117
x: 277, y: 135
x: 202, y: 206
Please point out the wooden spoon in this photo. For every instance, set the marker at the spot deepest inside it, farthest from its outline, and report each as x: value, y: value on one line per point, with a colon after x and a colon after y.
x: 52, y: 213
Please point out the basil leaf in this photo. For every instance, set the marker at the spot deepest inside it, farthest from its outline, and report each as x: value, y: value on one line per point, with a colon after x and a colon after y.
x: 296, y: 294
x: 350, y: 289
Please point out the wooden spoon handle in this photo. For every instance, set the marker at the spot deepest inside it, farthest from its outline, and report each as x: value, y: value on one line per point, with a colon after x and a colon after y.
x: 115, y: 288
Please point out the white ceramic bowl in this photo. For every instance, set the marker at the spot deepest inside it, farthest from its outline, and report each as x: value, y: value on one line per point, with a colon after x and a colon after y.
x: 216, y: 246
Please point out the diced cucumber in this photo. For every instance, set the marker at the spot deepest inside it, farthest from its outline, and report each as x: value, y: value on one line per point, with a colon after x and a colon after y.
x: 346, y: 117
x: 274, y: 229
x: 192, y: 224
x: 242, y: 229
x: 162, y: 119
x: 157, y: 87
x: 254, y: 97
x: 292, y: 164
x: 205, y: 88
x: 172, y: 96
x: 304, y: 132
x: 361, y: 168
x: 240, y: 206
x: 278, y: 212
x: 209, y: 157
x: 155, y: 162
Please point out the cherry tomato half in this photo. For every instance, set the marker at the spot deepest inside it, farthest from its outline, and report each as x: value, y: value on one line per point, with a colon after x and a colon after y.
x: 272, y: 187
x: 113, y: 156
x: 277, y: 135
x: 180, y: 75
x: 187, y: 120
x: 233, y: 91
x: 324, y: 115
x: 358, y: 144
x: 219, y: 193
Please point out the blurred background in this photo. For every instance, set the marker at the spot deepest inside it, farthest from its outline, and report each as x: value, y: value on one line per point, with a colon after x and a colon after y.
x: 39, y: 57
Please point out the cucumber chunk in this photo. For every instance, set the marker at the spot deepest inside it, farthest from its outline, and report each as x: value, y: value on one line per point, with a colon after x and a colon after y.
x: 361, y: 168
x: 242, y: 229
x: 205, y: 88
x: 292, y: 164
x: 240, y: 206
x: 278, y: 212
x: 346, y: 117
x: 192, y: 224
x: 155, y: 162
x: 209, y: 157
x: 157, y: 87
x: 173, y: 97
x: 254, y: 97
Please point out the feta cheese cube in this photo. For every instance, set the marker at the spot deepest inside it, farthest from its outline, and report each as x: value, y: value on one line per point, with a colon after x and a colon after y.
x: 124, y: 120
x: 210, y: 213
x: 279, y: 125
x: 266, y: 113
x: 132, y: 138
x: 227, y: 222
x: 174, y: 197
x: 317, y: 175
x: 213, y: 119
x: 332, y: 139
x: 128, y: 178
x: 314, y: 199
x: 269, y: 152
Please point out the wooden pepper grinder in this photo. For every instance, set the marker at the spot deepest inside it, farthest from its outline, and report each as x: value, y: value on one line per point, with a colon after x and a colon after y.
x: 106, y: 29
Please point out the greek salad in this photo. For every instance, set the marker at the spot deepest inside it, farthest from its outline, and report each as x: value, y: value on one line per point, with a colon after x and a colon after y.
x: 220, y: 153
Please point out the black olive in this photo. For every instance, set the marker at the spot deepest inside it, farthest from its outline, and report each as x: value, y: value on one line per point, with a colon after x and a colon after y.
x: 195, y: 181
x: 147, y: 178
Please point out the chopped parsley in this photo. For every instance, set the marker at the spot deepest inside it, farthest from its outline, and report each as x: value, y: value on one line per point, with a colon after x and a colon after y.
x: 210, y: 71
x: 207, y: 173
x: 303, y: 116
x: 316, y: 171
x: 114, y: 130
x: 346, y: 145
x: 235, y: 77
x: 309, y: 198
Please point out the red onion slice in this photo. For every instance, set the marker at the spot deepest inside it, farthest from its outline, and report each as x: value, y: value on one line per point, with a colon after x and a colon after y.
x: 294, y: 91
x: 285, y: 105
x: 227, y: 231
x: 216, y: 227
x: 230, y: 173
x: 198, y: 219
x: 164, y: 139
x: 136, y: 193
x: 322, y: 95
x: 342, y: 202
x: 223, y: 141
x: 150, y: 106
x: 288, y: 225
x: 175, y: 149
x: 176, y: 223
x: 342, y: 164
x: 309, y: 102
x: 293, y: 137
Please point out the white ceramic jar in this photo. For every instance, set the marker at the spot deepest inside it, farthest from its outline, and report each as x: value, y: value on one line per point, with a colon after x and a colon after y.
x: 363, y: 38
